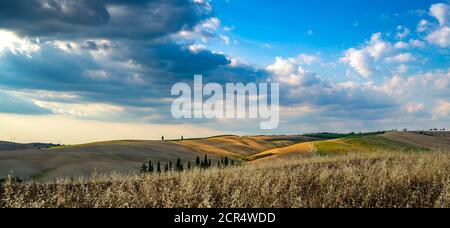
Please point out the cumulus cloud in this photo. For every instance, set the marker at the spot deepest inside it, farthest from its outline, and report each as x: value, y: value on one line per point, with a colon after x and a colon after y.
x: 441, y: 12
x: 359, y: 60
x: 412, y: 107
x: 441, y: 35
x: 362, y: 59
x: 291, y: 72
x: 401, y: 58
x: 442, y: 109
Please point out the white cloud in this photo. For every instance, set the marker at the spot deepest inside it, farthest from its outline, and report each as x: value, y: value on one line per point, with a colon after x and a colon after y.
x: 401, y: 45
x: 402, y: 69
x: 423, y: 26
x: 290, y: 71
x: 203, y: 31
x: 442, y: 109
x: 401, y: 58
x: 397, y: 85
x: 225, y: 39
x: 416, y: 43
x: 377, y: 47
x: 440, y: 37
x: 305, y: 59
x: 85, y: 110
x: 413, y: 107
x: 441, y: 12
x: 195, y: 48
x: 440, y: 80
x: 359, y: 60
x: 17, y: 45
x: 402, y: 32
x: 97, y: 74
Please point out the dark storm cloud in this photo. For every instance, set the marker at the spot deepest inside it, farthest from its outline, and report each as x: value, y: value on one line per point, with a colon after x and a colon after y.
x: 160, y: 66
x: 98, y: 18
x: 132, y: 29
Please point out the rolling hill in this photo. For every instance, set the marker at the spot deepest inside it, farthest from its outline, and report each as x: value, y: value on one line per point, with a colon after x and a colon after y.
x: 128, y: 156
x: 9, y: 146
x: 338, y: 144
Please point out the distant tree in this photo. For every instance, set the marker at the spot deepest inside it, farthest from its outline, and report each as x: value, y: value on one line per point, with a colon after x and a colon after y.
x: 182, y: 137
x: 226, y: 161
x: 162, y: 138
x: 218, y: 164
x: 166, y: 168
x: 144, y: 168
x: 179, y: 166
x: 205, y: 162
x: 151, y: 169
x: 189, y: 166
x: 209, y: 163
x: 158, y: 167
x: 197, y: 162
x: 170, y: 166
x: 232, y: 162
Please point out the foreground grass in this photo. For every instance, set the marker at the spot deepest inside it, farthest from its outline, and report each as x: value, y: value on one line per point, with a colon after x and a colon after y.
x: 362, y: 180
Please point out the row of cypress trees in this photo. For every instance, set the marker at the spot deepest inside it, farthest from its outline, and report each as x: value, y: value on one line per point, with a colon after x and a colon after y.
x: 205, y: 163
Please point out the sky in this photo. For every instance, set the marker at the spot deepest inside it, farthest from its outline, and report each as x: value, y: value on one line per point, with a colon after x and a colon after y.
x: 89, y: 70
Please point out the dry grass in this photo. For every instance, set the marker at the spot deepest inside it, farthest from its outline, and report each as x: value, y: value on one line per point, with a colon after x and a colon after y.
x: 364, y: 180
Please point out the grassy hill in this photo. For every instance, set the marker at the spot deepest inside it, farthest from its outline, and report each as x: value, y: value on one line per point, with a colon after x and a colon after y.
x: 340, y: 144
x: 363, y: 144
x: 128, y: 156
x: 9, y: 146
x: 298, y: 150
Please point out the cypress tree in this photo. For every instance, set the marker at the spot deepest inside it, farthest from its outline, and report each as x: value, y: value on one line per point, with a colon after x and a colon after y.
x: 205, y: 161
x: 158, y: 167
x: 170, y: 166
x: 166, y: 169
x: 179, y: 166
x: 144, y: 168
x: 197, y: 162
x: 150, y: 166
x: 209, y: 163
x: 189, y: 166
x: 226, y: 161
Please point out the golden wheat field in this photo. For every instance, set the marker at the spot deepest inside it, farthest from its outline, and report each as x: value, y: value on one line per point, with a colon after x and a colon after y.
x: 376, y: 180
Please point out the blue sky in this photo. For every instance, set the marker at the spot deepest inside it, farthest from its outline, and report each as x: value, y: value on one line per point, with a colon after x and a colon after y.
x: 103, y: 69
x: 335, y: 25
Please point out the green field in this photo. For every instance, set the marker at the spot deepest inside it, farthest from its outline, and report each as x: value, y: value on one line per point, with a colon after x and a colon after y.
x: 362, y: 144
